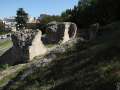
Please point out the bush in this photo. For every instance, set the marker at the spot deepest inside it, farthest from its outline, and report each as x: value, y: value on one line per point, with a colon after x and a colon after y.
x: 4, y: 66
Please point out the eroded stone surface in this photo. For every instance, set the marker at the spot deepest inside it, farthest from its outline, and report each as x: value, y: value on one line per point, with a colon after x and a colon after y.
x: 37, y: 47
x: 26, y: 45
x: 66, y: 36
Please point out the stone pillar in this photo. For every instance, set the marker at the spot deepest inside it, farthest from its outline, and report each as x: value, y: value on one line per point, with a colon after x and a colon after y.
x: 37, y: 48
x: 66, y: 36
x: 93, y: 31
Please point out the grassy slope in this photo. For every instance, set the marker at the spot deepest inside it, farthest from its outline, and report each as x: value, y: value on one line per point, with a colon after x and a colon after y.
x: 90, y: 66
x: 3, y: 32
x: 5, y: 45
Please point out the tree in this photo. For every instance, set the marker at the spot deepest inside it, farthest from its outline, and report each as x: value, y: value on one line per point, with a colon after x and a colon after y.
x: 2, y: 25
x: 49, y: 18
x: 66, y: 15
x: 88, y: 12
x: 21, y: 19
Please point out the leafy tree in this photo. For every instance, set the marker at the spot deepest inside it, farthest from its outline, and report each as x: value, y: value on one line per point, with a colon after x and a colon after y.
x: 66, y: 15
x: 88, y: 12
x: 21, y: 19
x: 2, y: 25
x: 108, y: 11
x: 49, y: 18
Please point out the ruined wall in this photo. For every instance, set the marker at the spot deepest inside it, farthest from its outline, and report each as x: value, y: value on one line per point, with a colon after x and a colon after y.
x: 21, y: 42
x: 90, y: 33
x: 59, y: 32
x: 28, y: 43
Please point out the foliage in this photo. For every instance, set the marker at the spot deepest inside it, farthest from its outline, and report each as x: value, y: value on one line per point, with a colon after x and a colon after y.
x: 91, y: 11
x: 21, y: 19
x: 49, y: 18
x: 2, y: 25
x: 45, y: 20
x: 5, y: 66
x: 66, y: 15
x: 2, y: 32
x: 31, y: 26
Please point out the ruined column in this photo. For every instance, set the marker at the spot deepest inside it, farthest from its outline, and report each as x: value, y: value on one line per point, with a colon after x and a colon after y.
x: 66, y: 36
x: 94, y: 28
x: 37, y: 47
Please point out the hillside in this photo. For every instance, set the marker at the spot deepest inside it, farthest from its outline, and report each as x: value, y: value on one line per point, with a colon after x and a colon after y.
x: 90, y: 65
x: 5, y: 45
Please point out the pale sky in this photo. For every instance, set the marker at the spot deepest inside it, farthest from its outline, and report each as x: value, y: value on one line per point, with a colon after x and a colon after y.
x: 35, y: 7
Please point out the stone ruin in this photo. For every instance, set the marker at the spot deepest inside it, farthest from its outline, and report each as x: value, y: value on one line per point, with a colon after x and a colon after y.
x: 90, y: 33
x: 94, y: 28
x: 59, y: 32
x: 28, y: 43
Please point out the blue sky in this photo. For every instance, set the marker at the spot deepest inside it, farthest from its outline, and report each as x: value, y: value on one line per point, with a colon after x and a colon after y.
x: 35, y: 7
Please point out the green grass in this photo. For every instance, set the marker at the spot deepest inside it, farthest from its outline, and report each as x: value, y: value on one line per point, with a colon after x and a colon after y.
x: 5, y: 45
x: 4, y: 66
x: 49, y: 45
x: 77, y: 71
x: 3, y: 32
x: 10, y: 76
x: 5, y: 79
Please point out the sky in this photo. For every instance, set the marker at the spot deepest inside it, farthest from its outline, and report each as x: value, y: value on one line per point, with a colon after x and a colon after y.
x: 35, y: 7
